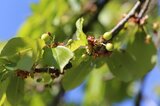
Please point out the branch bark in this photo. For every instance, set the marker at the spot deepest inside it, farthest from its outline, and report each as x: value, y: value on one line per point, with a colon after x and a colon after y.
x: 100, y: 5
x: 144, y: 9
x: 57, y: 99
x: 140, y: 6
x: 139, y: 96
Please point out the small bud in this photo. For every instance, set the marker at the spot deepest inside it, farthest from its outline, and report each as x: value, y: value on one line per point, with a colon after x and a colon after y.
x: 107, y: 35
x: 109, y: 46
x: 155, y: 26
x: 148, y: 39
x: 125, y: 26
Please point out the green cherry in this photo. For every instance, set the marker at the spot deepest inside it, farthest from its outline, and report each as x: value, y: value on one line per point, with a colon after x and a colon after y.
x: 46, y: 37
x: 107, y: 35
x: 109, y: 46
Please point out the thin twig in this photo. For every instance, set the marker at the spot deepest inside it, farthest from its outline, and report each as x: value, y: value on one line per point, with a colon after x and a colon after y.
x: 58, y: 98
x: 139, y: 96
x: 42, y: 70
x: 141, y: 7
x: 144, y: 9
x: 121, y: 24
x: 100, y: 4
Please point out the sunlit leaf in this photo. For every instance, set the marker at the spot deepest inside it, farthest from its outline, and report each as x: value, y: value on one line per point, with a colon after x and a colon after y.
x: 62, y: 56
x: 81, y: 37
x: 57, y: 57
x: 14, y: 45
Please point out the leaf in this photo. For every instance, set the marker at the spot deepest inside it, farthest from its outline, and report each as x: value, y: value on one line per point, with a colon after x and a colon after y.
x: 26, y: 62
x: 17, y: 46
x: 48, y: 59
x: 3, y: 75
x: 123, y: 65
x: 116, y: 90
x: 76, y: 75
x: 3, y: 60
x: 2, y: 45
x: 81, y: 37
x: 142, y: 51
x: 14, y: 45
x: 15, y: 90
x: 3, y: 87
x: 11, y: 67
x: 62, y: 56
x: 95, y: 87
x: 37, y: 48
x: 135, y: 61
x: 57, y: 57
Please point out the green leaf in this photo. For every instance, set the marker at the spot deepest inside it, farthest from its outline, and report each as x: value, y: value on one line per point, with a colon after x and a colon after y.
x: 19, y: 46
x: 116, y: 90
x: 26, y: 62
x: 37, y: 48
x: 3, y: 86
x: 135, y: 61
x: 142, y: 51
x: 15, y: 90
x: 81, y: 37
x: 57, y: 57
x: 48, y: 59
x: 95, y: 87
x: 14, y: 45
x: 11, y: 67
x: 2, y: 44
x: 3, y: 60
x: 3, y: 75
x: 123, y: 65
x: 76, y: 75
x: 62, y: 56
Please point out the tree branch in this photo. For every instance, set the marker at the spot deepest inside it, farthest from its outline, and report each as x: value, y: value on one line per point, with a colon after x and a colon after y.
x: 144, y: 9
x: 137, y: 7
x: 139, y: 96
x: 121, y: 24
x: 100, y: 5
x: 57, y: 100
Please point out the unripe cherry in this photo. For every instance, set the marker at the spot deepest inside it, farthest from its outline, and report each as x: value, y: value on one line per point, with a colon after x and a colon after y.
x: 46, y: 37
x: 107, y: 35
x: 109, y: 46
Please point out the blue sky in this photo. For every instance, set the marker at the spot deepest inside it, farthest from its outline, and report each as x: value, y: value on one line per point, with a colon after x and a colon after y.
x: 12, y: 15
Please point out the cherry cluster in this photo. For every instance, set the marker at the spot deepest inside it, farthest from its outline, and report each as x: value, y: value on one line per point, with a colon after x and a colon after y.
x: 96, y: 47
